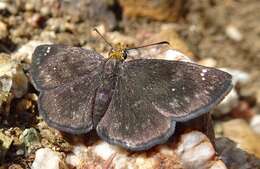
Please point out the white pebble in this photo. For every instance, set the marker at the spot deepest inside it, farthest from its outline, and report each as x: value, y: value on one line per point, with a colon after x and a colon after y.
x: 233, y: 33
x: 228, y: 103
x: 195, y: 150
x: 46, y: 158
x: 105, y: 150
x: 238, y: 76
x: 77, y: 155
x: 255, y: 123
x: 204, y: 70
x: 177, y: 56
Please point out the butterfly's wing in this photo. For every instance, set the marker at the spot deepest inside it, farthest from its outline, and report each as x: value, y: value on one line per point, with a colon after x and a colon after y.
x: 55, y: 65
x: 67, y: 78
x: 69, y: 108
x: 181, y: 90
x: 151, y: 93
x: 132, y: 122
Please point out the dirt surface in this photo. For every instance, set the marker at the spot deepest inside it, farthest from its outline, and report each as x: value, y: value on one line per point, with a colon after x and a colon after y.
x: 226, y: 31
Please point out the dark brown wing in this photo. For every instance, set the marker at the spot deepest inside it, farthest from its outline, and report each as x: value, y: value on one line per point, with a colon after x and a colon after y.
x: 67, y: 78
x: 55, y: 65
x: 181, y: 90
x: 151, y: 94
x: 69, y: 108
x: 132, y: 122
x: 131, y: 119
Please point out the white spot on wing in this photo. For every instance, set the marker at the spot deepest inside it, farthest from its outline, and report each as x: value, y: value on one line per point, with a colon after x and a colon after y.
x: 197, y: 96
x: 211, y: 88
x: 48, y: 49
x: 204, y: 70
x: 202, y: 74
x: 187, y: 99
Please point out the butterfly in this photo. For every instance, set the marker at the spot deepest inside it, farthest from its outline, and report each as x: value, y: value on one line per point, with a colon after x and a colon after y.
x: 134, y: 104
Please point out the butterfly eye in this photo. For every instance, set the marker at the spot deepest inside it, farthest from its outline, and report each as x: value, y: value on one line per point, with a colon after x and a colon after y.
x: 125, y: 53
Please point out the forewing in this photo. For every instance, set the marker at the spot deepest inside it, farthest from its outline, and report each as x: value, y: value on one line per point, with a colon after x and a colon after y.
x: 181, y: 90
x: 55, y: 65
x: 131, y: 120
x: 69, y: 108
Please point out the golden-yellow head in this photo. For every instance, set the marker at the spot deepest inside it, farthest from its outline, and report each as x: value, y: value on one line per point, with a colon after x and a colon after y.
x: 118, y: 52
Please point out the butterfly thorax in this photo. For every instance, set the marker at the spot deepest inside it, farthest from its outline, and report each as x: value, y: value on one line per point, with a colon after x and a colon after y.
x: 105, y: 90
x: 118, y: 52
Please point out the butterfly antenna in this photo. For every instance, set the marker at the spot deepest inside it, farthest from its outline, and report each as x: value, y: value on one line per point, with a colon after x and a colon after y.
x: 158, y: 43
x: 95, y: 29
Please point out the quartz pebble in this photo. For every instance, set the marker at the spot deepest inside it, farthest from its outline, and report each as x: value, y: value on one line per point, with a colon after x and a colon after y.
x: 3, y: 30
x: 5, y: 143
x: 238, y: 76
x: 46, y: 158
x: 177, y: 56
x: 255, y: 124
x: 233, y: 33
x: 227, y: 104
x: 210, y: 62
x: 194, y: 150
x: 232, y: 99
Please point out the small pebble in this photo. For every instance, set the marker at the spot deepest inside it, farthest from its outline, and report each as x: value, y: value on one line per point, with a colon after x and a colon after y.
x: 20, y: 152
x: 31, y: 138
x: 255, y: 123
x: 5, y: 87
x: 75, y: 158
x: 210, y: 62
x: 3, y: 30
x: 196, y: 151
x: 227, y: 104
x: 233, y: 33
x: 232, y: 99
x: 105, y: 150
x: 20, y: 84
x: 238, y: 76
x: 46, y: 158
x: 3, y: 5
x: 5, y: 143
x: 176, y: 56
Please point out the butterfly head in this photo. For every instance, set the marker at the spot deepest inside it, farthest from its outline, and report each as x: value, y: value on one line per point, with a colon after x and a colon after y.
x: 118, y: 52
